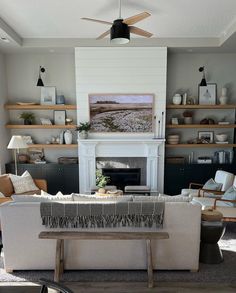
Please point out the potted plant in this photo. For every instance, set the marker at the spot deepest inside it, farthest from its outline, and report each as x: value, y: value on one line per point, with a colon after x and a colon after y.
x: 188, y: 117
x: 29, y: 118
x: 101, y: 181
x: 83, y: 129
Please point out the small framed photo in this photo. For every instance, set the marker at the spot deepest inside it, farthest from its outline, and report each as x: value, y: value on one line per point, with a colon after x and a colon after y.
x: 48, y: 95
x: 206, y: 136
x: 207, y: 94
x: 59, y: 117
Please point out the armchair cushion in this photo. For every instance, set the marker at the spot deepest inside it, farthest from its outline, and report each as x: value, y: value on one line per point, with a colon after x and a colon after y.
x: 212, y: 185
x: 230, y: 194
x: 23, y: 183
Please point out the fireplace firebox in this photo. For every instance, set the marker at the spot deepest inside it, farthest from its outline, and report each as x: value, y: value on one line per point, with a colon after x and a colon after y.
x: 122, y: 177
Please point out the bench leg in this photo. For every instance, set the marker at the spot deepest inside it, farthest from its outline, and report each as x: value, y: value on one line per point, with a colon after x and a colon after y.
x: 59, y: 259
x: 149, y: 263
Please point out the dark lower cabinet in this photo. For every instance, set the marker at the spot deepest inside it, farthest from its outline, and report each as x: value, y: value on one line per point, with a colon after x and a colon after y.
x: 178, y: 176
x: 60, y: 177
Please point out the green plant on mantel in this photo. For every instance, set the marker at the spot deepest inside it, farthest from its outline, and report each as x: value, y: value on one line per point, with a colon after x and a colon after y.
x: 101, y: 180
x: 83, y: 126
x: 29, y: 118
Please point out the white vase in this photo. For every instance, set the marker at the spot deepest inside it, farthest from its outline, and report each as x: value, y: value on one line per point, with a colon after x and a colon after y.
x: 188, y: 120
x: 68, y: 137
x: 223, y: 99
x: 83, y: 134
x: 177, y: 99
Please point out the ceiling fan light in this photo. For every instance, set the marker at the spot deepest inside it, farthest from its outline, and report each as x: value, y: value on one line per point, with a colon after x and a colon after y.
x: 120, y: 33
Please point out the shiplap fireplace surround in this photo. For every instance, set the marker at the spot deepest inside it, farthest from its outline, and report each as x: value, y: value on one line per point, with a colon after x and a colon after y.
x: 90, y: 149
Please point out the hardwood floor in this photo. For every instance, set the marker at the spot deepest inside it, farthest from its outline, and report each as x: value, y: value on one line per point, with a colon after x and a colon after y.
x: 129, y: 287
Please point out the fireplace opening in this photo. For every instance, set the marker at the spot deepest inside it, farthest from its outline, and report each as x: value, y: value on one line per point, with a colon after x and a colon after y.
x: 121, y: 177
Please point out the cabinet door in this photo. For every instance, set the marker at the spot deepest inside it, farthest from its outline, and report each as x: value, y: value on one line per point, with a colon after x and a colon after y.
x: 175, y: 178
x: 54, y: 176
x: 71, y: 178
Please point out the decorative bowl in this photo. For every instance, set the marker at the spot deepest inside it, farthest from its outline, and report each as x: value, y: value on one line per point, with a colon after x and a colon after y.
x: 221, y: 137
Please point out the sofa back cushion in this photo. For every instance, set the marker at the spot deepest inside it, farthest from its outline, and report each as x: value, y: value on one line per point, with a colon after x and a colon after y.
x: 84, y: 198
x: 6, y: 186
x: 165, y: 198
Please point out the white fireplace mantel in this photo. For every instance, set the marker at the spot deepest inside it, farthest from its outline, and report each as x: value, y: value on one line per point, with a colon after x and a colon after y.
x: 90, y: 149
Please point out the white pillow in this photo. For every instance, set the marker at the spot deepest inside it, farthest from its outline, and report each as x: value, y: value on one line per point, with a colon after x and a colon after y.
x: 23, y: 183
x: 2, y: 195
x: 212, y: 185
x: 42, y: 198
x: 84, y: 198
x: 166, y: 198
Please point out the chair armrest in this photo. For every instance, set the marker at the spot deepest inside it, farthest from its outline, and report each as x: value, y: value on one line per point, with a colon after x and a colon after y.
x: 5, y: 199
x: 204, y: 191
x: 194, y: 184
x: 220, y: 199
x: 41, y: 184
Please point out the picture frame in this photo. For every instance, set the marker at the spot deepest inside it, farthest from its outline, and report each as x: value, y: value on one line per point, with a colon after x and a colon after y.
x: 207, y: 94
x: 120, y: 112
x: 59, y: 117
x: 48, y: 95
x: 206, y: 136
x: 174, y: 121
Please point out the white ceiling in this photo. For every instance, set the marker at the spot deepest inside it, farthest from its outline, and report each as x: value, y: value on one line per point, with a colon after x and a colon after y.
x: 174, y: 23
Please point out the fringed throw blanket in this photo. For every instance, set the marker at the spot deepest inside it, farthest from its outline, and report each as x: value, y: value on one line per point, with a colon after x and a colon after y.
x: 97, y: 215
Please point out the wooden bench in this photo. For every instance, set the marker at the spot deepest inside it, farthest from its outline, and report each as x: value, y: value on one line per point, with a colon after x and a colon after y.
x: 61, y: 236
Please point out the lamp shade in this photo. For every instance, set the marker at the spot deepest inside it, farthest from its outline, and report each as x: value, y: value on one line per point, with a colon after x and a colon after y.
x: 17, y: 142
x: 120, y: 33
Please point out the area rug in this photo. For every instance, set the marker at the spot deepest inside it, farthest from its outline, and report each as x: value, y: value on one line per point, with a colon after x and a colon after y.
x: 224, y: 272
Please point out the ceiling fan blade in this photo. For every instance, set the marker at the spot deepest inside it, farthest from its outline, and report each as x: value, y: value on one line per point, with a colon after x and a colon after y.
x: 97, y: 20
x: 103, y: 35
x: 138, y: 31
x: 136, y: 18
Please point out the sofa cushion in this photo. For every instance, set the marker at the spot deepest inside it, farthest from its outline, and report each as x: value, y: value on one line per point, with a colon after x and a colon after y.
x: 44, y: 197
x: 166, y: 198
x: 6, y: 186
x: 95, y: 198
x: 230, y: 194
x: 23, y: 183
x: 212, y: 185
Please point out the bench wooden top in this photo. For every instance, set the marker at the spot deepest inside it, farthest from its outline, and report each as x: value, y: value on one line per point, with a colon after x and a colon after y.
x: 102, y: 235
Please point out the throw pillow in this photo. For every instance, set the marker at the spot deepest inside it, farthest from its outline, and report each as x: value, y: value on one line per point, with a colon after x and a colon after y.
x: 230, y: 194
x: 212, y: 185
x: 84, y: 198
x: 23, y: 183
x: 6, y: 186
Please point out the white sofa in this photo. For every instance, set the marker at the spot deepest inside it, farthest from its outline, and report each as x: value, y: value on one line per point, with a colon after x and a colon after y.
x: 21, y: 224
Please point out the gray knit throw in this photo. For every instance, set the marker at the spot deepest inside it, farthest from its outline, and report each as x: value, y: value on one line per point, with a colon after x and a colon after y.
x: 98, y: 215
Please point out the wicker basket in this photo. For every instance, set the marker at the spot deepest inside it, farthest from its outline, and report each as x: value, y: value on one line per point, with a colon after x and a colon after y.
x: 175, y: 160
x: 68, y: 160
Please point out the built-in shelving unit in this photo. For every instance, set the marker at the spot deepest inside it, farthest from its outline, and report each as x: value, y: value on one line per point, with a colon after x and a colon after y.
x: 39, y: 126
x: 201, y: 126
x: 201, y: 145
x: 51, y: 146
x: 39, y: 107
x: 228, y: 106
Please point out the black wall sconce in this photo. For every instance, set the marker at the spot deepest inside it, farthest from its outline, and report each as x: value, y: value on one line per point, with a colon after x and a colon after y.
x: 40, y: 82
x: 203, y: 81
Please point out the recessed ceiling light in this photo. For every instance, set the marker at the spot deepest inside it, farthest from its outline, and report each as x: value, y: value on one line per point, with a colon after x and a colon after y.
x: 5, y: 40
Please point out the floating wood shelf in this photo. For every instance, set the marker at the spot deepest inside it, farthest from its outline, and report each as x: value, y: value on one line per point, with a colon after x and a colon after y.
x: 201, y: 126
x: 39, y: 126
x: 201, y: 145
x: 232, y: 106
x: 51, y: 146
x: 40, y: 107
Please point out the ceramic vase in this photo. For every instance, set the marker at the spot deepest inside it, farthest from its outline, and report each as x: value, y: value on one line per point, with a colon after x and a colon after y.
x: 177, y: 99
x: 83, y: 134
x: 223, y: 99
x: 188, y: 120
x: 68, y: 137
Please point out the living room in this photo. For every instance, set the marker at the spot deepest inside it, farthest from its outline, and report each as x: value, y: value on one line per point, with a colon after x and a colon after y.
x: 165, y: 72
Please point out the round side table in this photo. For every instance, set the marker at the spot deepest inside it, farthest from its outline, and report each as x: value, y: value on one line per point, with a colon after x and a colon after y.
x: 212, y: 229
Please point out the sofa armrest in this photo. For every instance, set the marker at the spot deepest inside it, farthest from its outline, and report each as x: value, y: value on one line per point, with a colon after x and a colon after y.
x: 41, y: 184
x: 204, y: 192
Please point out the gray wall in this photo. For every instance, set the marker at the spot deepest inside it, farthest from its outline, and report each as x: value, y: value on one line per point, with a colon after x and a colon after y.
x: 22, y: 73
x: 4, y: 134
x: 183, y: 76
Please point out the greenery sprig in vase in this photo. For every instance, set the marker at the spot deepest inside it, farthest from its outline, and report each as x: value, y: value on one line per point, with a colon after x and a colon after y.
x: 83, y: 129
x: 29, y: 118
x: 101, y: 181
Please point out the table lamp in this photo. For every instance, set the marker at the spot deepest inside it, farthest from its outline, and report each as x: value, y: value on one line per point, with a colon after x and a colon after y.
x: 16, y: 143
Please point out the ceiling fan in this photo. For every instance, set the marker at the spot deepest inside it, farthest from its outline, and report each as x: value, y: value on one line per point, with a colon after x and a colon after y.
x: 121, y: 28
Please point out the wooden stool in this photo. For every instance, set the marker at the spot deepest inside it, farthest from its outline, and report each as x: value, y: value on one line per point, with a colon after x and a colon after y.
x: 211, y: 215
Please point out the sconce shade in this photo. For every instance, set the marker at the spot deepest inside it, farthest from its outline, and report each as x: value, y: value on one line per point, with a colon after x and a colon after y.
x: 17, y: 142
x: 40, y: 82
x: 120, y: 33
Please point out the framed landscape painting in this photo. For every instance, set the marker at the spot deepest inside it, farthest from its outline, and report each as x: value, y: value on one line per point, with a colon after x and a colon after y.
x: 121, y: 112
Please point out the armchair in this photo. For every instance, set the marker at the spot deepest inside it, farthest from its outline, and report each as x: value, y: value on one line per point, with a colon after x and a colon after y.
x: 221, y: 177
